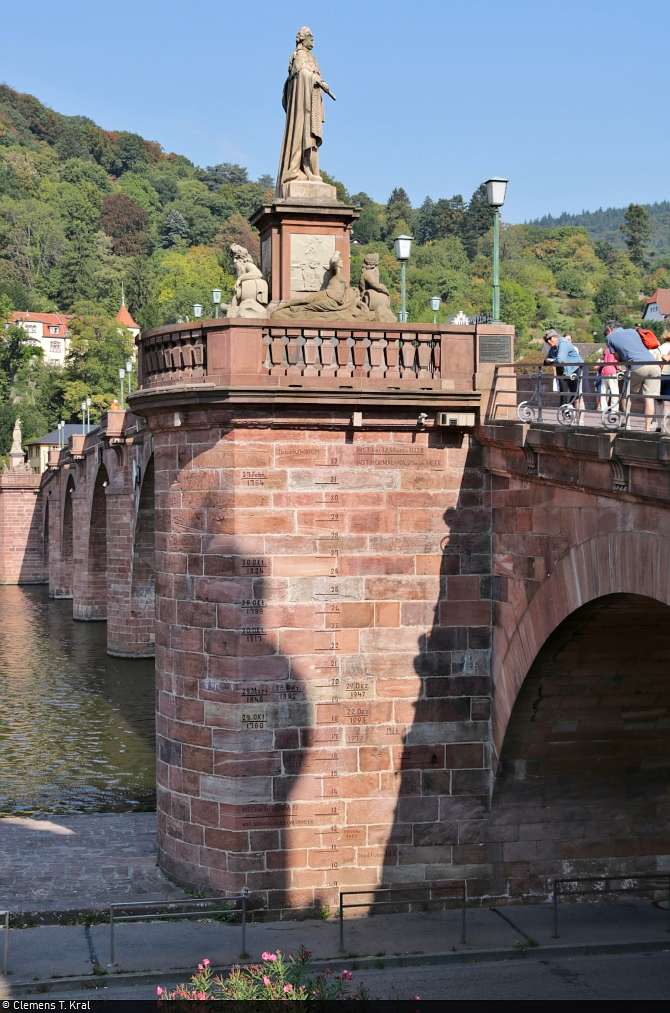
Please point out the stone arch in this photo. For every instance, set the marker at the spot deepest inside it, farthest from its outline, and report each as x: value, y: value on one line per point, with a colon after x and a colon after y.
x: 66, y: 542
x: 619, y: 562
x: 142, y: 594
x: 91, y: 601
x: 45, y: 538
x: 584, y: 772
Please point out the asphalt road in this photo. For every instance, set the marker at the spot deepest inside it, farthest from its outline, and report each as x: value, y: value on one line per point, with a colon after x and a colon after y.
x: 612, y: 977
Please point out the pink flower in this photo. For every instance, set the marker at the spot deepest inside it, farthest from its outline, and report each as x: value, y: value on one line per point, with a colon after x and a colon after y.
x: 266, y: 980
x: 159, y: 991
x: 269, y: 956
x: 206, y: 962
x: 288, y: 988
x: 347, y: 974
x: 201, y: 995
x: 417, y: 997
x: 200, y: 967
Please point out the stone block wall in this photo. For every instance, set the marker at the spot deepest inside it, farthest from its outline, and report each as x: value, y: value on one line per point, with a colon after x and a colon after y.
x: 322, y: 652
x: 21, y: 541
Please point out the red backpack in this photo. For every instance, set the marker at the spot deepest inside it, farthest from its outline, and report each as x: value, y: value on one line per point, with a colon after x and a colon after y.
x: 649, y: 338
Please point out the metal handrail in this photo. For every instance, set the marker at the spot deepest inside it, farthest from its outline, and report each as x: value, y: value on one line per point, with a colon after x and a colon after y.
x: 573, y: 404
x: 606, y: 879
x: 430, y: 887
x: 6, y: 941
x: 146, y: 916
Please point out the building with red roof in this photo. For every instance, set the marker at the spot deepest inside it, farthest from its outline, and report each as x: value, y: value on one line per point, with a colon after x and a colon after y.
x: 51, y: 331
x: 123, y: 317
x: 658, y: 306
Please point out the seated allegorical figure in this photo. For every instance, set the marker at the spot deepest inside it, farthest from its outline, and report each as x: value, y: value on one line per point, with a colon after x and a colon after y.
x: 374, y: 294
x: 251, y: 289
x: 338, y: 301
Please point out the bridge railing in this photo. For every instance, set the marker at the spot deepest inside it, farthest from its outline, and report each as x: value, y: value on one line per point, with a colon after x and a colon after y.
x: 534, y: 393
x: 267, y: 353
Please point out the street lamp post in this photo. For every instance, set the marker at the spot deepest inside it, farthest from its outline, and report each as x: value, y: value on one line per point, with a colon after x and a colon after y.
x: 129, y: 369
x: 122, y: 374
x: 60, y: 434
x: 216, y: 299
x: 435, y: 305
x: 403, y: 248
x: 83, y: 416
x: 496, y: 188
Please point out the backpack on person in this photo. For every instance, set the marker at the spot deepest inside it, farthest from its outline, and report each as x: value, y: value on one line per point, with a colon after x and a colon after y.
x: 649, y: 339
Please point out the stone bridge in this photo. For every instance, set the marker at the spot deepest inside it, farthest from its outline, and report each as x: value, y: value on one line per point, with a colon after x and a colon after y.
x: 398, y: 638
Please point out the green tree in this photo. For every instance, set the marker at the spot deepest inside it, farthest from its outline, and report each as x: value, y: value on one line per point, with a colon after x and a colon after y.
x: 517, y: 306
x: 174, y: 227
x: 15, y: 351
x: 607, y: 298
x: 636, y: 229
x: 126, y: 223
x: 476, y: 221
x: 398, y: 213
x: 368, y: 228
x: 99, y: 347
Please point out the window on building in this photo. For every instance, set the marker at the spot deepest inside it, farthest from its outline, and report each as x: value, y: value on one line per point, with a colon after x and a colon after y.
x: 53, y: 329
x: 55, y: 346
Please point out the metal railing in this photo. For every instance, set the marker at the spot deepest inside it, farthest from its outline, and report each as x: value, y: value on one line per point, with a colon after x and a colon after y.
x: 5, y: 941
x: 532, y: 393
x: 620, y: 878
x: 431, y: 888
x: 163, y: 912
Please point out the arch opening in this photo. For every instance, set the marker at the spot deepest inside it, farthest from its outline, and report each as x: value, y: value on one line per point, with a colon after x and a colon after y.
x: 142, y: 602
x: 95, y: 604
x: 583, y: 782
x: 66, y: 552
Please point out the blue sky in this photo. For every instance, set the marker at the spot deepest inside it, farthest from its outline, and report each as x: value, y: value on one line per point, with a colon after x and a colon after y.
x: 568, y: 99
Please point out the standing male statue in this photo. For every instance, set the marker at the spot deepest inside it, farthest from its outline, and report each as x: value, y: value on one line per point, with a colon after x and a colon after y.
x: 302, y: 100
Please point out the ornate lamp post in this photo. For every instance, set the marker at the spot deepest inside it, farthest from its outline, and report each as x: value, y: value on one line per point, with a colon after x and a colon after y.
x: 435, y: 305
x: 216, y: 299
x: 496, y: 188
x: 403, y: 248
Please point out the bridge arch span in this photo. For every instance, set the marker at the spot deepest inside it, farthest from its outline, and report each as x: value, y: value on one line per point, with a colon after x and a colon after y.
x: 616, y: 562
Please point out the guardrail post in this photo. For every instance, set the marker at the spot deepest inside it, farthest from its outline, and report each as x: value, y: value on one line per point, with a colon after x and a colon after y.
x: 555, y: 933
x: 6, y: 942
x: 667, y: 930
x: 539, y: 394
x: 341, y: 925
x: 463, y: 919
x: 111, y: 933
x: 244, y: 926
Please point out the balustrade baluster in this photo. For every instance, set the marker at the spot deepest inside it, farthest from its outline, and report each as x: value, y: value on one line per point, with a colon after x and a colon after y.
x: 327, y: 352
x: 267, y: 341
x: 376, y: 353
x: 392, y: 355
x: 343, y: 352
x: 360, y: 353
x: 277, y: 349
x: 294, y: 353
x: 424, y: 351
x: 408, y: 355
x: 310, y: 350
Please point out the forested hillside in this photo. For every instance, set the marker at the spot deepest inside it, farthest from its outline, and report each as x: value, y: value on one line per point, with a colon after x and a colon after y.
x: 83, y: 210
x: 605, y: 225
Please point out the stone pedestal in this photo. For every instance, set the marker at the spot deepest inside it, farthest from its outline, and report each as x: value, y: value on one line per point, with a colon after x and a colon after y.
x: 299, y: 234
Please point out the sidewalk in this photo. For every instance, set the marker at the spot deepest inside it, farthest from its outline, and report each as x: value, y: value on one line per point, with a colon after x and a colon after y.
x: 166, y: 952
x: 71, y: 863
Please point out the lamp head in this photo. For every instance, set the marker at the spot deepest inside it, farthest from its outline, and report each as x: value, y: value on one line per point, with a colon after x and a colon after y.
x: 496, y: 189
x: 122, y: 373
x: 216, y: 296
x: 435, y: 303
x: 403, y: 247
x: 129, y: 367
x: 197, y: 309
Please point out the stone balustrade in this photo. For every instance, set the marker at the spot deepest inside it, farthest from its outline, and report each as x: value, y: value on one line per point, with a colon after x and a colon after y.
x: 268, y: 353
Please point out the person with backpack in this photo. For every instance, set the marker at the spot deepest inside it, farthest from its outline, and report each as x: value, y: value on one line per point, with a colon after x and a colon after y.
x: 629, y: 345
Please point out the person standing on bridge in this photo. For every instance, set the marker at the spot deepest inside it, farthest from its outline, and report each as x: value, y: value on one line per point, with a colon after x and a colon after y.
x: 645, y: 372
x: 566, y: 358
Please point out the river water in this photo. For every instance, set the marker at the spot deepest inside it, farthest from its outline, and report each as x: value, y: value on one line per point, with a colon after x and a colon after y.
x: 77, y: 728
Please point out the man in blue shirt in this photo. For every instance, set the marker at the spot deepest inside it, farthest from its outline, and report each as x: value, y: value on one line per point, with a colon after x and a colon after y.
x: 562, y: 350
x: 645, y: 378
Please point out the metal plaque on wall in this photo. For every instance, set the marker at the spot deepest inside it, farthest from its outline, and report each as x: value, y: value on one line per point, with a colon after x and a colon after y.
x: 495, y: 348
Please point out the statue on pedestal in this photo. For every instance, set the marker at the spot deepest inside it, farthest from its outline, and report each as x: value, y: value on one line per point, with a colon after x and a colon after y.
x: 338, y: 301
x: 17, y: 457
x: 302, y: 100
x: 374, y: 294
x: 251, y: 289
